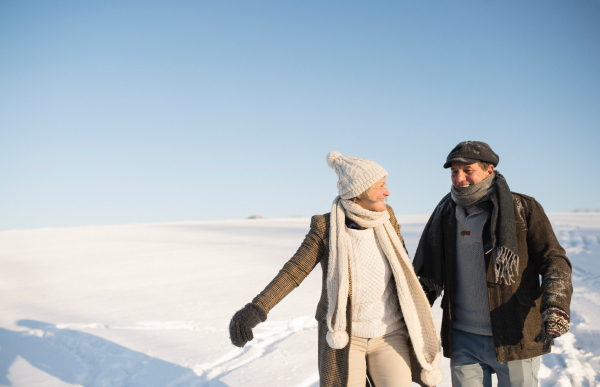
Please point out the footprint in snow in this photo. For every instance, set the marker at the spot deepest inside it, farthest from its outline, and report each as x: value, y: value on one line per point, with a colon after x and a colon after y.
x: 266, y: 337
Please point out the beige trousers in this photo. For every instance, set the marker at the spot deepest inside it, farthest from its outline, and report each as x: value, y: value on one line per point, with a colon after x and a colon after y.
x: 386, y: 357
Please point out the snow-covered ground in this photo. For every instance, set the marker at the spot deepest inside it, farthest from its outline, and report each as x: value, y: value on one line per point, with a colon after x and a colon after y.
x: 149, y: 305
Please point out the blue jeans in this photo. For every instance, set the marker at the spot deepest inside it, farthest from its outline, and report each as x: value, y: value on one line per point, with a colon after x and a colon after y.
x: 474, y: 361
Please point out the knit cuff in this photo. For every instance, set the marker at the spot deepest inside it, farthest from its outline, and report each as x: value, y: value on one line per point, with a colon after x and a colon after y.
x: 258, y: 312
x: 557, y: 321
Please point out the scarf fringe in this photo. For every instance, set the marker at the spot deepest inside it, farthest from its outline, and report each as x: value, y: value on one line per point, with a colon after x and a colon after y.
x: 506, y: 265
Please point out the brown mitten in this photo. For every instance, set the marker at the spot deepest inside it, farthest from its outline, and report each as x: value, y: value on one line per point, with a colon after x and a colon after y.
x: 240, y: 327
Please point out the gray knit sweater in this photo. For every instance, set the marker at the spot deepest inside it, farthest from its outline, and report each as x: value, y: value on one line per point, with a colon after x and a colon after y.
x: 472, y: 312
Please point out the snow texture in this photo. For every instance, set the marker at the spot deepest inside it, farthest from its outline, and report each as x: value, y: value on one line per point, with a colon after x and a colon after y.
x: 149, y: 305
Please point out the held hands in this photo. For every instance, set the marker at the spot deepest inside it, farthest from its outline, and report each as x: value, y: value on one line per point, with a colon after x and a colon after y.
x: 240, y: 327
x: 555, y: 323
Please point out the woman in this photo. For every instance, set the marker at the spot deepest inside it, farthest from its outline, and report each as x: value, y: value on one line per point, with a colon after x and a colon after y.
x: 371, y: 302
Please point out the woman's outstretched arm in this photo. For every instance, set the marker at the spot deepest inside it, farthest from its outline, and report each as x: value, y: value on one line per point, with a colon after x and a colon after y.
x: 309, y: 254
x: 295, y: 270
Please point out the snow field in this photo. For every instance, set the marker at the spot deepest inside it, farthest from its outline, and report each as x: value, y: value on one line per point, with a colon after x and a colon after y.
x: 149, y: 305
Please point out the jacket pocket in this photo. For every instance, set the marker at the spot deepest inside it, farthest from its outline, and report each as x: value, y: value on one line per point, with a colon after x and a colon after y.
x: 528, y: 298
x: 526, y: 302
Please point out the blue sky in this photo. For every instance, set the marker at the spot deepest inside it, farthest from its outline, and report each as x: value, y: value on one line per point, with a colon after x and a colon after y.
x: 128, y: 112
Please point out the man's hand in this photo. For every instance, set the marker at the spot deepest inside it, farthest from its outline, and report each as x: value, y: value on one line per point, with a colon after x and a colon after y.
x: 240, y: 327
x: 555, y: 323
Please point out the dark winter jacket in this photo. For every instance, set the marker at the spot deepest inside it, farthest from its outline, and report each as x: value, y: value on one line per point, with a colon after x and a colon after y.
x: 333, y: 363
x: 515, y: 308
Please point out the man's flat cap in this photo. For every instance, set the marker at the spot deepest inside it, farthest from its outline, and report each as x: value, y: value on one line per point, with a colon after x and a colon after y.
x: 472, y: 152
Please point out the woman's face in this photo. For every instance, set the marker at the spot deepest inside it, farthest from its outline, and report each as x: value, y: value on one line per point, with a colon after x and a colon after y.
x: 375, y: 199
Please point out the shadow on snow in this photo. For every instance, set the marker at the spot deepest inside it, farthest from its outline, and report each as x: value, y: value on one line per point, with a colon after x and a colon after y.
x: 81, y: 358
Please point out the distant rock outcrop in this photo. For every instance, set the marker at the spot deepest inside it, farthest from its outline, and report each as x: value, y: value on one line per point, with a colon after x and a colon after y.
x: 255, y: 217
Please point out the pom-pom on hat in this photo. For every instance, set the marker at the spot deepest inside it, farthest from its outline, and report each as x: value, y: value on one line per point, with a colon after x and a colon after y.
x: 355, y: 175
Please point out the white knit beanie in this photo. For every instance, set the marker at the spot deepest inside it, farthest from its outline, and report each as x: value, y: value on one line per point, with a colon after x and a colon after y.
x: 355, y: 175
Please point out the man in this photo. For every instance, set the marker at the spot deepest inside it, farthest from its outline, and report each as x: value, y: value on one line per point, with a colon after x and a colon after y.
x: 486, y: 248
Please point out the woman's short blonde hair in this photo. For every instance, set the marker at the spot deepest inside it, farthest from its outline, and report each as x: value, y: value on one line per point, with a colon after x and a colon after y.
x: 362, y: 195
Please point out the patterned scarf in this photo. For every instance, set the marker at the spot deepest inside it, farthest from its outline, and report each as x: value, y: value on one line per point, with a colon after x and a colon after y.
x: 414, y: 303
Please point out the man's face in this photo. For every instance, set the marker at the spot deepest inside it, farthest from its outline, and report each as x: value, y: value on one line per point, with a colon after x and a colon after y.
x: 464, y: 175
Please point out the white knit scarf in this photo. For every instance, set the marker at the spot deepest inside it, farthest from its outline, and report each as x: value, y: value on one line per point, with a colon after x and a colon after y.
x: 415, y: 306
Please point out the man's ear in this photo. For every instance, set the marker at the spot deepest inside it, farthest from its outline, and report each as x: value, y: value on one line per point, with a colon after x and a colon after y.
x: 490, y: 169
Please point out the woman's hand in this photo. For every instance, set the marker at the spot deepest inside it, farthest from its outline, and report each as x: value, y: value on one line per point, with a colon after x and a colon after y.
x: 240, y: 327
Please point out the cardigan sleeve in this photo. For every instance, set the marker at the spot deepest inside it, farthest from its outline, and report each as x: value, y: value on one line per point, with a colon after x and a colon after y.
x: 295, y: 270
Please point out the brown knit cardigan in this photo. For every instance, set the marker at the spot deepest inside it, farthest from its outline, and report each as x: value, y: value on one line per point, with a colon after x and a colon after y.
x: 333, y: 363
